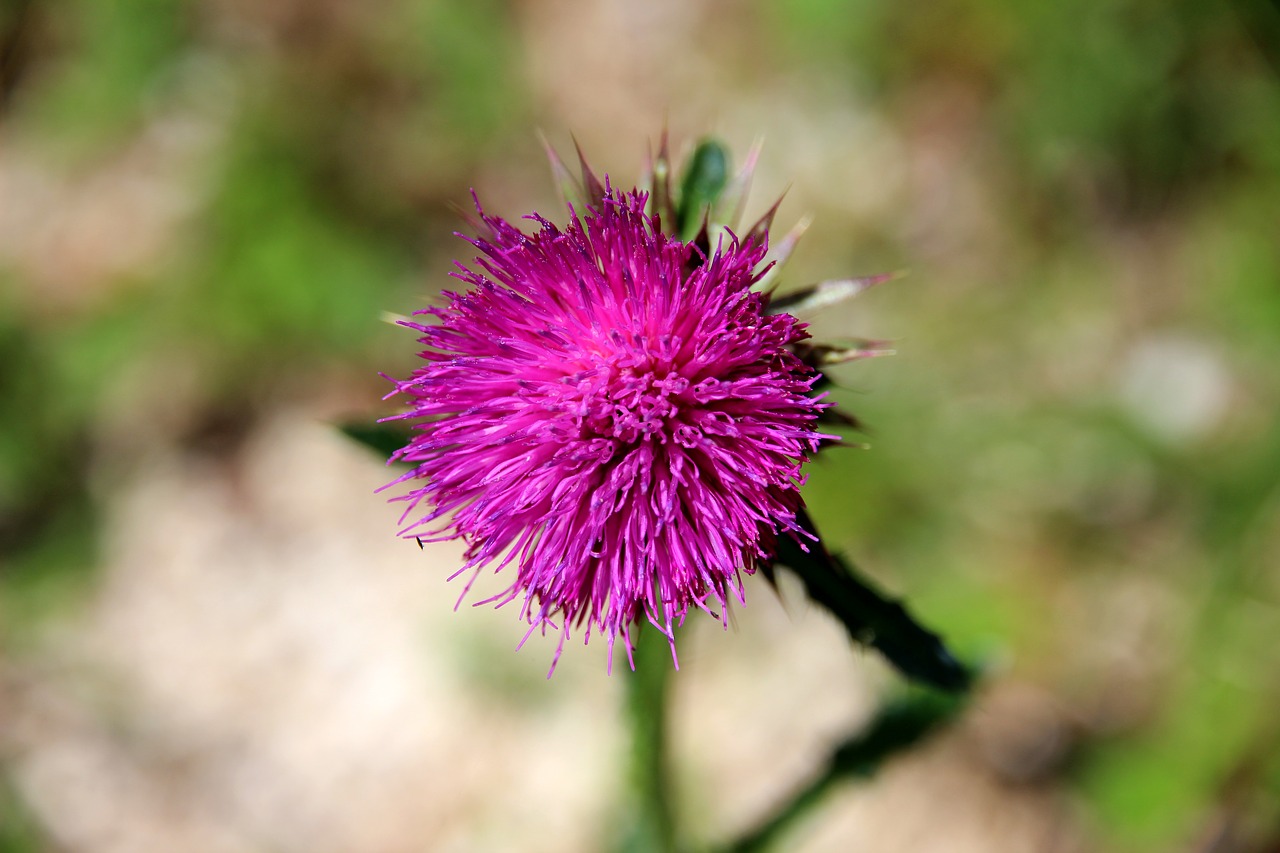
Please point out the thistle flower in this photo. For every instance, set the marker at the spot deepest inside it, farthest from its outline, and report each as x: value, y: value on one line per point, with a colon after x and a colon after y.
x: 612, y: 415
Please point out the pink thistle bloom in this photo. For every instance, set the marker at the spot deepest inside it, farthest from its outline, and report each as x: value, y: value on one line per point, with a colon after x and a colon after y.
x: 614, y: 416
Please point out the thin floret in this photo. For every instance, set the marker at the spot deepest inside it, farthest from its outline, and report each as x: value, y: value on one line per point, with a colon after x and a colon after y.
x: 612, y: 416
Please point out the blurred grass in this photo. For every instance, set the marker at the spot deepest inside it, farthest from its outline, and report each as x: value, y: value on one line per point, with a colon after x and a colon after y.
x: 19, y: 830
x: 116, y: 58
x: 1166, y: 110
x: 1130, y: 154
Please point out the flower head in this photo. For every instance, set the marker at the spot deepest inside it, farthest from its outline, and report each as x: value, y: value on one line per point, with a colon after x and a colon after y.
x: 611, y: 415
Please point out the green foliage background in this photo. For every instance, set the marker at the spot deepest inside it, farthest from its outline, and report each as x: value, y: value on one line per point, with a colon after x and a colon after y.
x: 1129, y: 152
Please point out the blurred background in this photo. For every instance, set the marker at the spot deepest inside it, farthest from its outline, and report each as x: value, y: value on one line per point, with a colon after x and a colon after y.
x: 210, y: 638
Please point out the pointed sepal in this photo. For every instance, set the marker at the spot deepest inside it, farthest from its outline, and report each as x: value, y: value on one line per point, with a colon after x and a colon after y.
x: 591, y: 185
x: 833, y: 416
x: 820, y: 356
x: 570, y: 188
x: 759, y: 232
x: 824, y: 294
x: 661, y: 200
x: 728, y: 209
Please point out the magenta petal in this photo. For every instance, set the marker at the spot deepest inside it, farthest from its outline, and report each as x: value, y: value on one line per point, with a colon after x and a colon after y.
x: 614, y: 426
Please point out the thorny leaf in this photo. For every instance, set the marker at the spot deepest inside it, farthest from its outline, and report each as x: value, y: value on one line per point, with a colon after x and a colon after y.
x: 868, y: 616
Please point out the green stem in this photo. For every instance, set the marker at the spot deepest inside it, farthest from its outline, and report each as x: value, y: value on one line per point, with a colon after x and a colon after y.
x: 654, y: 826
x: 898, y: 726
x: 802, y: 802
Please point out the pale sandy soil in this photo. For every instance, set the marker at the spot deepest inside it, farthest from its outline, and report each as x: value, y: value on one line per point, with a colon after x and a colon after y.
x: 264, y: 666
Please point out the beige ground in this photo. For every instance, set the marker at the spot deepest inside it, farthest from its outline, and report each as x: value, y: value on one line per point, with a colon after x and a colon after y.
x: 263, y: 666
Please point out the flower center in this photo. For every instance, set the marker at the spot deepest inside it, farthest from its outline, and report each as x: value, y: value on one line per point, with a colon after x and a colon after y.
x: 638, y: 405
x: 628, y: 395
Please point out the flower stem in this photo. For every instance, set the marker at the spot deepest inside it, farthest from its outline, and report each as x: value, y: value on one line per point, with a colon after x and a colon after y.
x: 653, y: 827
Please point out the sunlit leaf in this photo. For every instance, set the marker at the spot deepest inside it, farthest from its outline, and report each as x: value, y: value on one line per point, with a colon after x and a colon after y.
x: 704, y: 179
